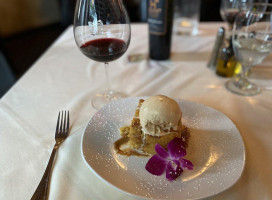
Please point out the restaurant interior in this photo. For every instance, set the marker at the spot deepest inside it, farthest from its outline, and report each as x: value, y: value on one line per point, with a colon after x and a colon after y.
x: 28, y: 28
x: 183, y: 112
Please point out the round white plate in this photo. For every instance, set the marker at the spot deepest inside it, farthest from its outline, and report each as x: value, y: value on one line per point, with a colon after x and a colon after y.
x: 215, y: 148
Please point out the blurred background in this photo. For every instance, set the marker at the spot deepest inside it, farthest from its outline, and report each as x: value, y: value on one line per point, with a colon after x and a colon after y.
x: 29, y: 27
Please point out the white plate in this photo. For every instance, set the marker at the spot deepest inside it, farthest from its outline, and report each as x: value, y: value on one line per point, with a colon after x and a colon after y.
x: 215, y: 148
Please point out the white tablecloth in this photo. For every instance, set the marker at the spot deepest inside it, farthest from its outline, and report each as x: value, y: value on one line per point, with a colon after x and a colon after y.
x: 63, y: 78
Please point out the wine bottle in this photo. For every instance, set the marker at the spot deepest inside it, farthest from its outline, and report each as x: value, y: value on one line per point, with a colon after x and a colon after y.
x: 160, y: 20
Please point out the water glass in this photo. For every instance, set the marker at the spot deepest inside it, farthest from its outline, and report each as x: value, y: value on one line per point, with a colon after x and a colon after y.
x: 252, y: 43
x: 186, y: 17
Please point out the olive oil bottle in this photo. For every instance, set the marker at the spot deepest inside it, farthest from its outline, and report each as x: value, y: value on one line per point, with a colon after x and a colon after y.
x: 226, y: 64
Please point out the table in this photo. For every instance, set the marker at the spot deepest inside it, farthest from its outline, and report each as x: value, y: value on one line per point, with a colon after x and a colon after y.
x: 63, y: 78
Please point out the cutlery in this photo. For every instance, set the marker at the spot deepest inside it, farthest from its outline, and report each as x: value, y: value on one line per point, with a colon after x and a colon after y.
x: 62, y: 131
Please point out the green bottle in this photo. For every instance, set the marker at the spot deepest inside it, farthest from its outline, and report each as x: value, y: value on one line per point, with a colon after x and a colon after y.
x: 226, y: 64
x: 160, y: 21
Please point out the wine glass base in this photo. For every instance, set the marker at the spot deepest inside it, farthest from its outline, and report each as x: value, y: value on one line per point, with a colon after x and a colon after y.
x: 103, y: 98
x: 242, y: 87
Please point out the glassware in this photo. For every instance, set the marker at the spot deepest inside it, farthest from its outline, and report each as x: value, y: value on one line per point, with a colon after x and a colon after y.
x: 229, y: 9
x: 102, y: 32
x: 186, y: 17
x: 252, y: 42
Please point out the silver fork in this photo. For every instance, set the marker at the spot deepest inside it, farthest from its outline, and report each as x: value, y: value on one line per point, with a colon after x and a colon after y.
x: 62, y: 131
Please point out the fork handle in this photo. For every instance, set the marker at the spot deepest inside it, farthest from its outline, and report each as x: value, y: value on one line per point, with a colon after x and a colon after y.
x: 41, y: 192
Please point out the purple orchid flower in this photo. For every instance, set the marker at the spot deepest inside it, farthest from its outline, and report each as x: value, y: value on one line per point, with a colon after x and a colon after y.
x: 171, y: 161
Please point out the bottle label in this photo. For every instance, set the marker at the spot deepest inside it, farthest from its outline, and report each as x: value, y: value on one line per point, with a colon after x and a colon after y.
x: 157, y: 16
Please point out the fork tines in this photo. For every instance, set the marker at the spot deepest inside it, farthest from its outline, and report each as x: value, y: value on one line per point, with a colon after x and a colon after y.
x: 63, y: 123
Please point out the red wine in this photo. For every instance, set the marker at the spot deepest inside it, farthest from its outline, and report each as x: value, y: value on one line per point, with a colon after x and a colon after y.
x: 104, y: 49
x: 230, y: 15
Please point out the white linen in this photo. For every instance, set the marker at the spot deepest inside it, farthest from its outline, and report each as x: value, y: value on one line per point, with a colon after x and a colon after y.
x: 63, y: 78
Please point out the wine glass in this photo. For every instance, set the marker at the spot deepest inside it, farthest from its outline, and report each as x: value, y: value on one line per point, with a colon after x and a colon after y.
x: 102, y: 32
x: 229, y: 9
x: 252, y: 42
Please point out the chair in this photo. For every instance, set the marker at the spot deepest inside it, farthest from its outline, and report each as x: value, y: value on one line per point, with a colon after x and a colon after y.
x: 7, y: 78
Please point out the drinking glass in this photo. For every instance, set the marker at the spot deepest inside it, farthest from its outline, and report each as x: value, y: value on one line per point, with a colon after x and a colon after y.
x: 252, y: 42
x: 186, y: 17
x: 259, y: 6
x: 102, y: 32
x: 229, y: 9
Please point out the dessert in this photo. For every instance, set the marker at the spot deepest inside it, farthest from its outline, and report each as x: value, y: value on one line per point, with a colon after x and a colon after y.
x: 157, y: 120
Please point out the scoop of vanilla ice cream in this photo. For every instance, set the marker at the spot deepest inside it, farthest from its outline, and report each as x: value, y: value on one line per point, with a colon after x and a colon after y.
x: 160, y: 115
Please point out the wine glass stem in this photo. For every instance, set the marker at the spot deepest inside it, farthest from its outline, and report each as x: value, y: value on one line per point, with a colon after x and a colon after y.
x: 245, y: 71
x: 107, y: 78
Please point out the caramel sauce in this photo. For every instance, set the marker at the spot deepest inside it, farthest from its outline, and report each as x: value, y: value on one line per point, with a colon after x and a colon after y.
x: 135, y: 122
x: 127, y: 151
x: 185, y: 135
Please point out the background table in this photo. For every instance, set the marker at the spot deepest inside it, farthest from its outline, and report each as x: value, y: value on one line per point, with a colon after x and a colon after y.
x: 63, y: 78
